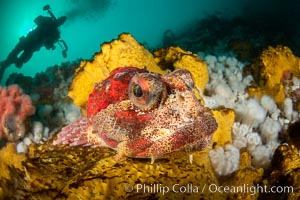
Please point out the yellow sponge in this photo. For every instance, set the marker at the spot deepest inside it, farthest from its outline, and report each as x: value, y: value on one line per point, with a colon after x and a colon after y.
x: 269, y: 72
x: 177, y: 58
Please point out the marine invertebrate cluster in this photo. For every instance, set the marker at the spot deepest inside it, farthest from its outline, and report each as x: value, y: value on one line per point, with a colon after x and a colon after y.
x: 143, y: 114
x: 15, y: 108
x: 225, y: 160
x: 258, y: 121
x: 37, y: 135
x: 48, y: 93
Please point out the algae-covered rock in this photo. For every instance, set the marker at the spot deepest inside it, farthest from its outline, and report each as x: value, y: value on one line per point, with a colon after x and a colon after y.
x: 63, y: 172
x: 284, y: 178
x: 9, y: 159
x: 293, y: 134
x: 241, y: 184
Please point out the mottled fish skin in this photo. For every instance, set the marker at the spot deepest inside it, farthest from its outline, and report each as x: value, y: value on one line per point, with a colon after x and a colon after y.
x: 143, y: 115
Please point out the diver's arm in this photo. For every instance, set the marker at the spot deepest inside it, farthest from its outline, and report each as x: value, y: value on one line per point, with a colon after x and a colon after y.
x: 52, y: 15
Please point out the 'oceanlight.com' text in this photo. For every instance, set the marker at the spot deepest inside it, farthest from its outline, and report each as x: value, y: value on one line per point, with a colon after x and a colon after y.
x: 211, y: 188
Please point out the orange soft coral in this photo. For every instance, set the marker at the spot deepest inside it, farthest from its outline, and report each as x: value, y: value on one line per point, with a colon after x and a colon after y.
x: 15, y: 107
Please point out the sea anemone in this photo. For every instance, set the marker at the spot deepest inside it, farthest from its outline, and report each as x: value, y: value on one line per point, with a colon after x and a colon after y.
x: 225, y: 160
x: 253, y: 114
x: 269, y: 130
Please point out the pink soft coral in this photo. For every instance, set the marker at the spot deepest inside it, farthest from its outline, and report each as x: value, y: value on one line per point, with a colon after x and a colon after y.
x: 15, y: 108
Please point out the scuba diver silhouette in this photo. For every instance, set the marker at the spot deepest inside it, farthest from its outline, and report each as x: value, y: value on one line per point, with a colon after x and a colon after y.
x: 45, y: 34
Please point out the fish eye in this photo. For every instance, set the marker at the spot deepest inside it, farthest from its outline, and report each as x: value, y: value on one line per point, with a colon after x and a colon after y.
x: 137, y: 90
x: 146, y: 90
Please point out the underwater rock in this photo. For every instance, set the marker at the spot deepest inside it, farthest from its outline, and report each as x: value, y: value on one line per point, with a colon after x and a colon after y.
x: 243, y: 48
x: 293, y: 132
x: 64, y: 172
x: 244, y: 35
x: 49, y: 85
x: 271, y: 72
x: 52, y: 172
x: 284, y: 175
x: 24, y: 82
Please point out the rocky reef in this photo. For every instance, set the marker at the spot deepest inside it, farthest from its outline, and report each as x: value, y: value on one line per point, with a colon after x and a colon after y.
x: 253, y: 153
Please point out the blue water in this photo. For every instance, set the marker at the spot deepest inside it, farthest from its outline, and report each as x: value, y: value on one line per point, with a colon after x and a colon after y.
x: 92, y: 22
